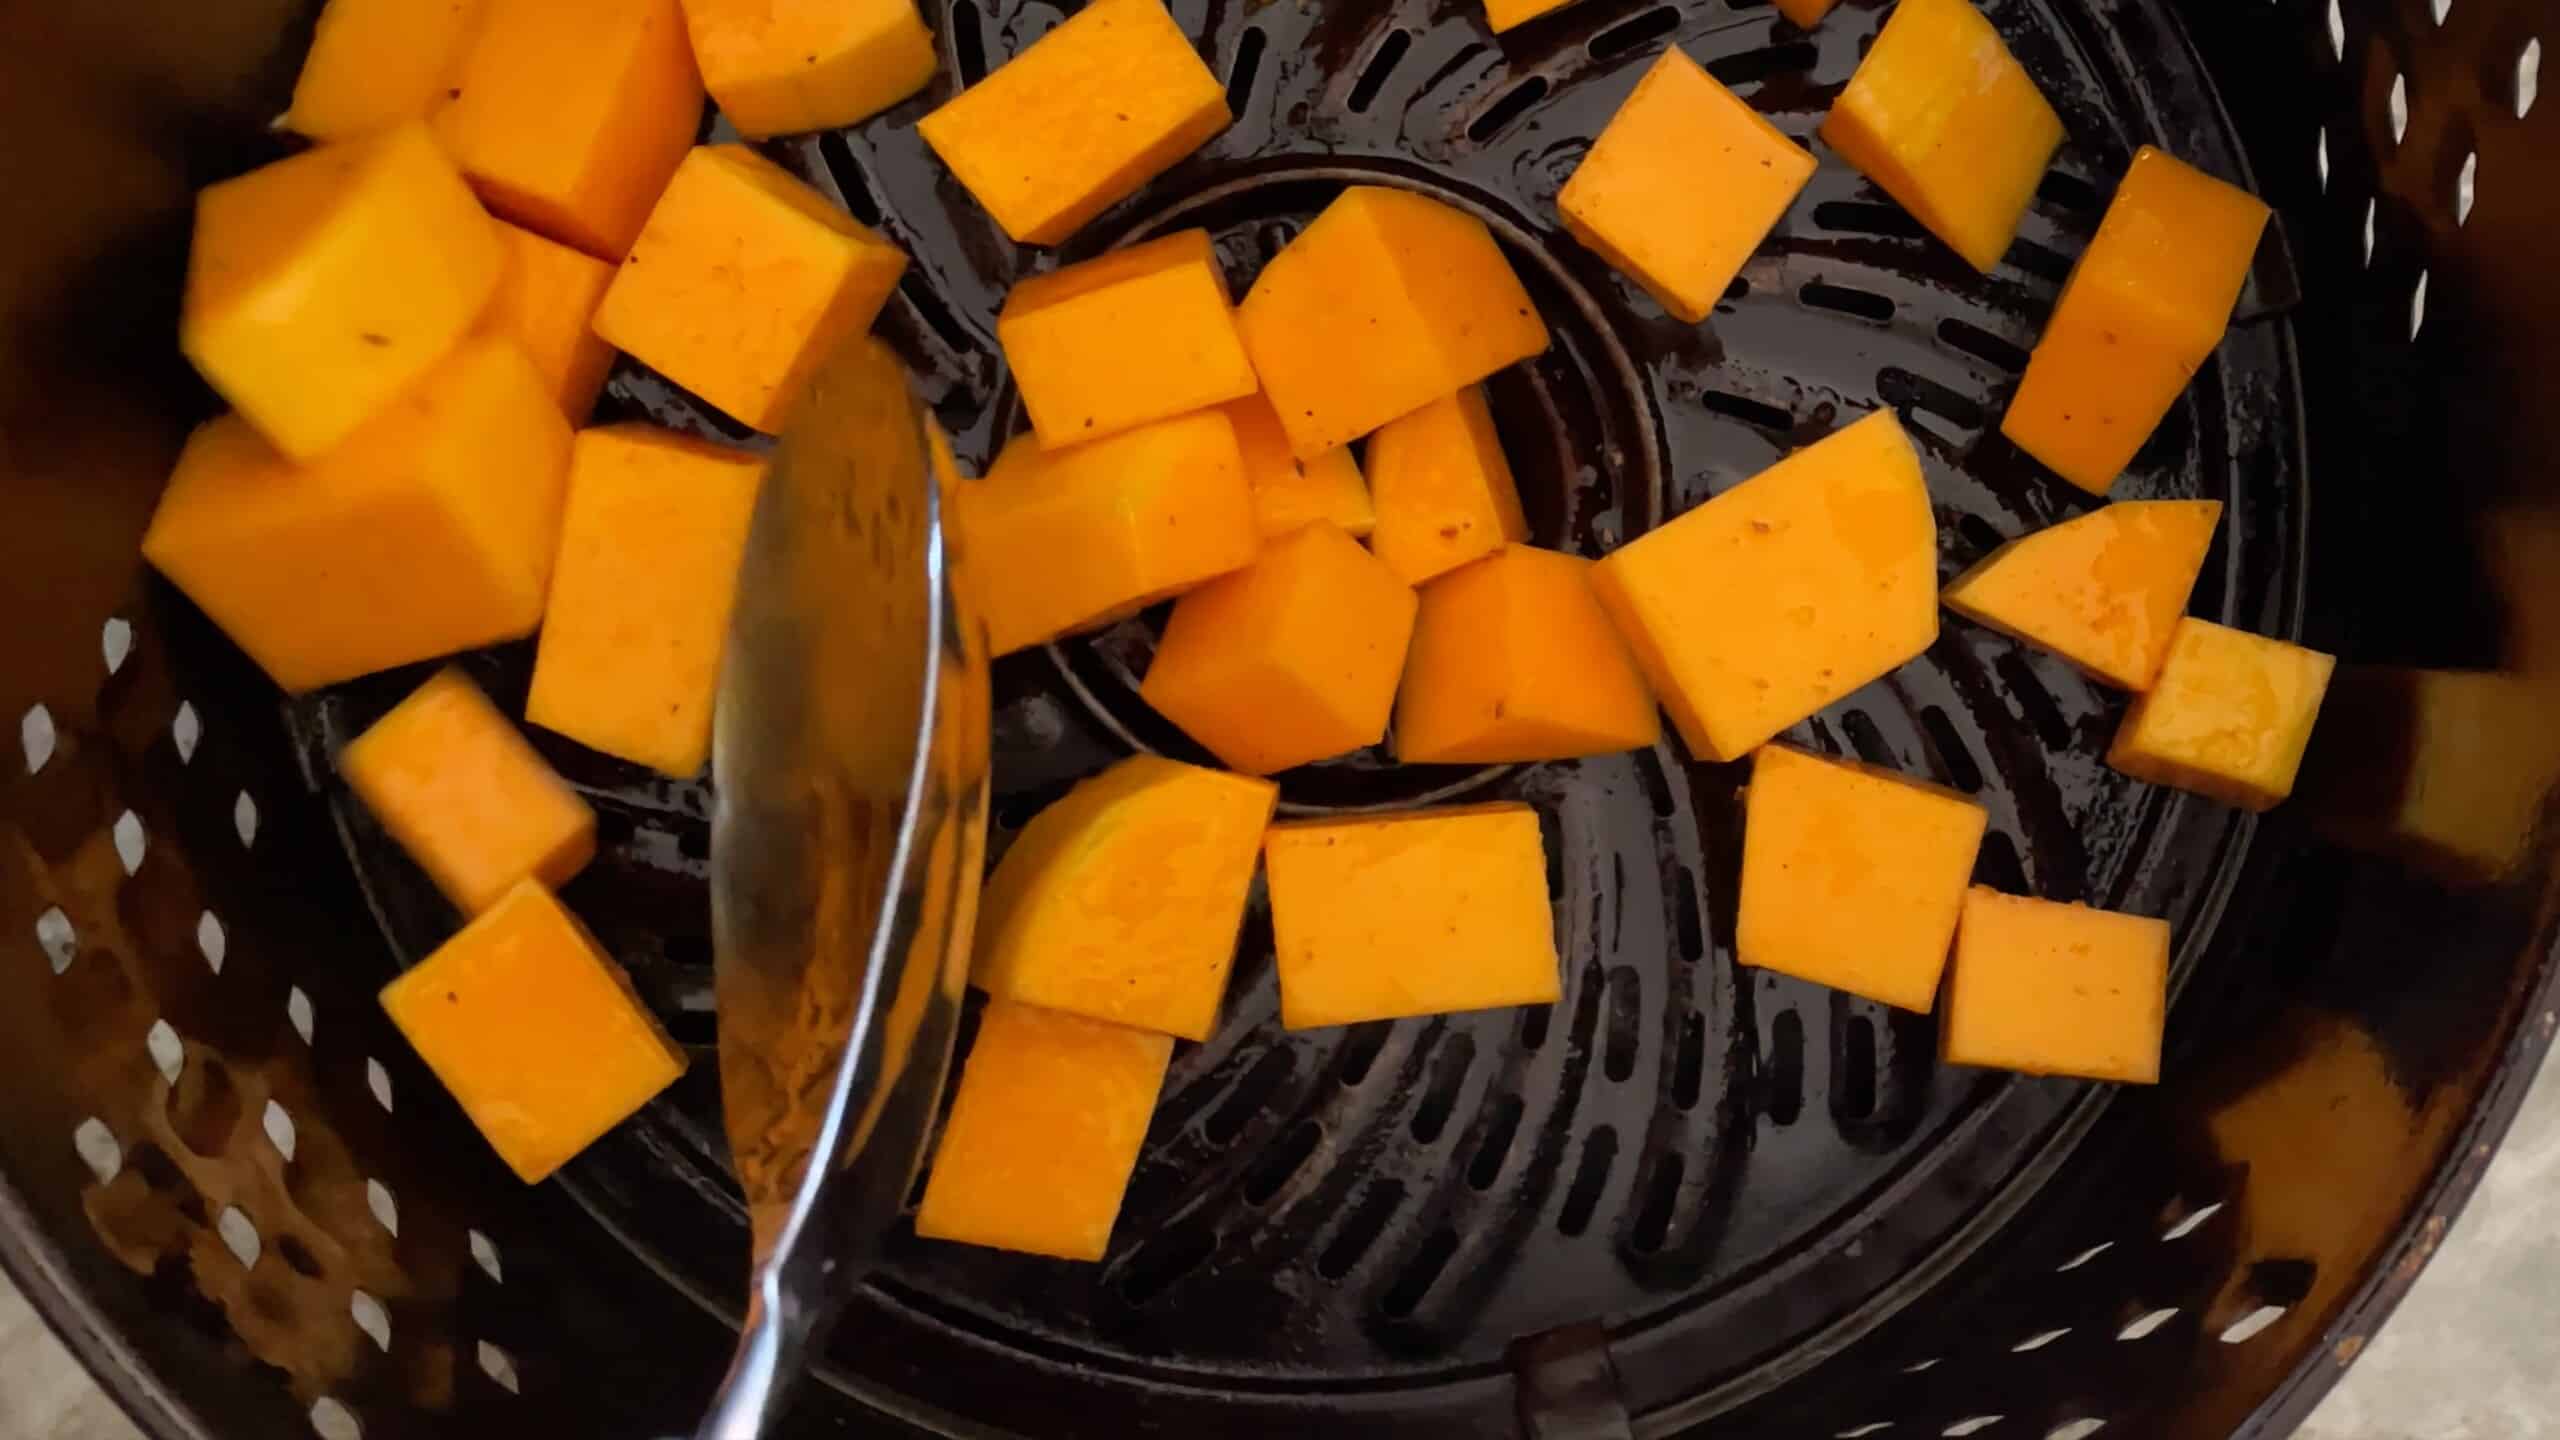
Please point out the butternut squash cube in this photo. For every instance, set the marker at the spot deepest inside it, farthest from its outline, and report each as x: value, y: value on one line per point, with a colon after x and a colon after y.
x: 535, y: 1030
x: 1065, y: 540
x: 1387, y: 301
x: 323, y: 285
x: 374, y: 64
x: 430, y: 530
x: 1044, y: 1133
x: 1786, y: 592
x: 572, y: 114
x: 1289, y: 492
x: 546, y: 303
x: 2057, y: 990
x: 2147, y: 303
x: 1852, y: 876
x: 1442, y: 488
x: 1290, y: 660
x: 1505, y: 15
x: 1388, y: 916
x: 1091, y: 111
x: 2104, y: 591
x: 462, y: 792
x: 744, y: 281
x: 1136, y: 335
x: 1943, y: 118
x: 777, y: 67
x: 1682, y: 185
x: 1513, y: 660
x: 649, y: 553
x: 1805, y: 13
x: 2229, y: 716
x: 1121, y: 902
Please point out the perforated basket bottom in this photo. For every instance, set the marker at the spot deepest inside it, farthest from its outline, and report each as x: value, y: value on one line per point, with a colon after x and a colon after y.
x: 1723, y: 1165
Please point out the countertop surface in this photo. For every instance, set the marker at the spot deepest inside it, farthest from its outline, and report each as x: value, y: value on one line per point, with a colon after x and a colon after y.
x: 2470, y: 1356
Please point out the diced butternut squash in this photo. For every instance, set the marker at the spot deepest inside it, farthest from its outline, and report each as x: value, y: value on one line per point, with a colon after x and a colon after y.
x: 1289, y: 492
x: 1290, y: 660
x: 323, y: 285
x: 2057, y: 989
x: 1505, y: 15
x: 2103, y: 591
x: 1513, y: 660
x: 1806, y: 13
x: 744, y: 281
x: 2229, y: 716
x: 2147, y: 303
x: 430, y: 530
x: 1388, y: 916
x: 1093, y: 110
x: 777, y: 67
x: 1943, y: 118
x: 1442, y: 488
x: 649, y: 553
x: 535, y: 1030
x: 1387, y: 301
x: 1682, y: 186
x: 375, y: 64
x: 546, y: 303
x: 572, y: 114
x: 1852, y: 876
x: 1784, y: 593
x: 1044, y: 1133
x: 1065, y: 540
x: 1136, y: 335
x: 2448, y: 770
x: 1121, y: 902
x: 462, y: 792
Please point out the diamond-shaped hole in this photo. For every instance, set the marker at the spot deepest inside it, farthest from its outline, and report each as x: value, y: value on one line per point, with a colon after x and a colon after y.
x: 1872, y: 1427
x: 278, y: 1124
x: 2075, y: 1430
x: 1970, y: 1425
x: 211, y: 940
x: 333, y: 1421
x: 239, y: 1236
x: 167, y: 1051
x: 2438, y: 9
x: 2528, y: 77
x: 184, y: 732
x: 2399, y: 103
x: 2248, y: 1326
x: 60, y: 943
x: 2320, y: 158
x: 2084, y: 1257
x: 500, y: 1366
x: 2370, y: 210
x: 2186, y: 1227
x: 386, y: 1211
x: 98, y: 1149
x: 484, y: 1253
x: 2144, y: 1325
x: 35, y: 737
x: 2466, y: 188
x: 371, y: 1318
x: 378, y: 1080
x: 297, y: 1009
x: 2418, y: 305
x: 2337, y: 31
x: 115, y: 642
x: 244, y: 818
x: 131, y: 844
x: 2038, y: 1341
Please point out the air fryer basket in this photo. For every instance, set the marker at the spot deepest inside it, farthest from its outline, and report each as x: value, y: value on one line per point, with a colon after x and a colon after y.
x: 1686, y: 1198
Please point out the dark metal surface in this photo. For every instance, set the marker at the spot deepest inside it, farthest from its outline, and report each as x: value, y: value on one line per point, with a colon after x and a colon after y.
x: 1783, y: 1216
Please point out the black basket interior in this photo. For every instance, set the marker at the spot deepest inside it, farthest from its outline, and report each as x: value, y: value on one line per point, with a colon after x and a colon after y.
x: 1687, y: 1196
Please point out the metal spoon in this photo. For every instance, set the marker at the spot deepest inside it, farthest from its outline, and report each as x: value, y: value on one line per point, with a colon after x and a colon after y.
x: 851, y: 755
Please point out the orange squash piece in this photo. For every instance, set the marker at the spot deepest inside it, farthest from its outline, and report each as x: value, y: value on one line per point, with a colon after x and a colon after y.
x: 744, y: 281
x: 374, y: 64
x: 430, y: 530
x: 1289, y: 492
x: 324, y: 285
x: 2057, y: 990
x: 535, y: 1030
x: 1136, y: 335
x: 649, y: 553
x: 1093, y: 110
x: 1505, y: 15
x: 1852, y: 876
x: 1291, y: 660
x: 1386, y: 302
x: 462, y: 792
x: 2229, y: 716
x: 1044, y: 1133
x: 1682, y: 185
x: 571, y: 114
x: 2103, y: 591
x: 1121, y: 902
x: 1066, y: 540
x: 1382, y: 917
x: 778, y: 67
x: 1805, y: 13
x: 1943, y: 118
x: 1514, y: 660
x: 1442, y: 488
x: 1786, y: 592
x: 546, y: 303
x: 2147, y: 303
